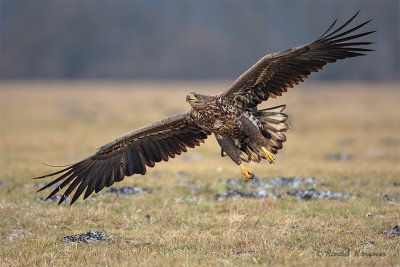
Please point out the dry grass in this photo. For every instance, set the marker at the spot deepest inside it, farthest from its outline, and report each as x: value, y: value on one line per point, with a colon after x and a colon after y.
x: 60, y: 123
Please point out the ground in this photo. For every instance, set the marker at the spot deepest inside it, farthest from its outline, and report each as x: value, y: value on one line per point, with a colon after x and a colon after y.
x: 196, y: 209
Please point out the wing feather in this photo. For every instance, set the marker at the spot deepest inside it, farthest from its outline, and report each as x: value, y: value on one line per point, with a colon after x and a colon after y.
x: 275, y: 73
x: 170, y: 152
x: 128, y: 155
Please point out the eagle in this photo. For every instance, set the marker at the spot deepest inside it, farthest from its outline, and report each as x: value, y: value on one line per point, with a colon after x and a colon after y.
x: 244, y: 132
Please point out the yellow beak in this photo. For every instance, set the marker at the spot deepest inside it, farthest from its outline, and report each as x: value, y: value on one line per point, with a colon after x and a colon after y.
x: 191, y: 98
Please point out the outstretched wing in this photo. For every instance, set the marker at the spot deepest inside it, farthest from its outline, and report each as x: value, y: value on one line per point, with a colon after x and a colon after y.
x: 275, y: 73
x: 128, y: 155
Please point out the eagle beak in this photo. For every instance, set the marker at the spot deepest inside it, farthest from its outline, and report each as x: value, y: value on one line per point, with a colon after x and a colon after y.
x: 191, y: 98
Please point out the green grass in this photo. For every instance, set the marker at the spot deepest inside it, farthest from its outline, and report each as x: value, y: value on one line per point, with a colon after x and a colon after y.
x: 60, y: 123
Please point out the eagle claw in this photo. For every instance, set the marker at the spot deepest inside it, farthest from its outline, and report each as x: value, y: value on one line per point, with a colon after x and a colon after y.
x: 251, y: 178
x: 247, y: 174
x: 268, y: 155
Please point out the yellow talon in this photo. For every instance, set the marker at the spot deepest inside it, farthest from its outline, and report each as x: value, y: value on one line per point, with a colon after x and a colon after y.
x: 247, y: 174
x: 268, y: 155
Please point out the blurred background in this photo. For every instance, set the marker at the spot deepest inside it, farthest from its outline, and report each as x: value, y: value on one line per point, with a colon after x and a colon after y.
x: 182, y: 39
x: 75, y: 75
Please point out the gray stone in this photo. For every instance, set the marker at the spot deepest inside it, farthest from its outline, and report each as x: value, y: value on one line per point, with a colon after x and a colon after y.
x: 126, y: 190
x: 393, y: 232
x: 88, y: 237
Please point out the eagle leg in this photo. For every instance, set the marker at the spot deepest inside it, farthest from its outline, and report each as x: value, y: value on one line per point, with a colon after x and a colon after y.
x: 228, y: 146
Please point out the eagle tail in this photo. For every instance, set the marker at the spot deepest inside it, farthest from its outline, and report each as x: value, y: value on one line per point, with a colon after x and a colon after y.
x: 274, y: 123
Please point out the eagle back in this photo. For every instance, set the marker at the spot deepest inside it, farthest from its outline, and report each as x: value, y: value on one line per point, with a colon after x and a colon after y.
x: 217, y: 117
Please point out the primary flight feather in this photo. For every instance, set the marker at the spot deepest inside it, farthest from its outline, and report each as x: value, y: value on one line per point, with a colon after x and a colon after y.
x: 243, y: 132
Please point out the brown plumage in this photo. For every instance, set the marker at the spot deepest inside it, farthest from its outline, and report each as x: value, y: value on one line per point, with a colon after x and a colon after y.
x: 243, y: 132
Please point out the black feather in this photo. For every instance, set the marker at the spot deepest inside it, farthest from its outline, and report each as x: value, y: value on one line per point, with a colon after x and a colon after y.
x: 147, y: 155
x: 154, y: 151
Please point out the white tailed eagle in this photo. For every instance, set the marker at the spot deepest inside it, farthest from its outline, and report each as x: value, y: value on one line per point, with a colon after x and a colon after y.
x: 243, y: 132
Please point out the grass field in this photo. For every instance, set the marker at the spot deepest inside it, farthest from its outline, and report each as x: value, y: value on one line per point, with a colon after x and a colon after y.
x: 60, y: 123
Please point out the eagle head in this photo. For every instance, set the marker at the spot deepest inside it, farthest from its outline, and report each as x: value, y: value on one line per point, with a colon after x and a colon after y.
x: 197, y: 100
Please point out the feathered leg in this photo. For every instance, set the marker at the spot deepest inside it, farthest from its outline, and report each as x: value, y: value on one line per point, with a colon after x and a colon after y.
x: 252, y: 132
x: 228, y: 146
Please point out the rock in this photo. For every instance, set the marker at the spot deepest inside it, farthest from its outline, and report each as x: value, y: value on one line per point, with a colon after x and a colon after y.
x: 393, y: 232
x: 126, y: 190
x: 390, y: 198
x: 295, y: 182
x: 373, y: 215
x: 267, y: 182
x: 367, y: 243
x: 233, y: 181
x: 190, y: 199
x: 262, y: 194
x: 150, y: 218
x: 16, y: 234
x: 240, y: 194
x: 265, y: 187
x: 55, y: 198
x: 88, y: 237
x: 314, y: 194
